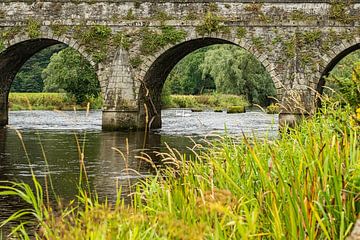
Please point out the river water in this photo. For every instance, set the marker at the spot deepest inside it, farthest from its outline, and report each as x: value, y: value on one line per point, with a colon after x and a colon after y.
x: 57, y: 136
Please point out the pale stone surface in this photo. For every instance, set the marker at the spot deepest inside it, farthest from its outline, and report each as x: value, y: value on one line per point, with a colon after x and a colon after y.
x: 355, y: 234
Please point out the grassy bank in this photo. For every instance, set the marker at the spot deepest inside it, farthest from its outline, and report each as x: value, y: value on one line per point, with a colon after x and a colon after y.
x: 61, y: 101
x: 304, y: 185
x: 47, y: 101
x: 211, y: 101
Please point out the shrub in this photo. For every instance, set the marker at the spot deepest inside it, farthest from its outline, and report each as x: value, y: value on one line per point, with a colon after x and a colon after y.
x: 273, y: 108
x: 236, y: 109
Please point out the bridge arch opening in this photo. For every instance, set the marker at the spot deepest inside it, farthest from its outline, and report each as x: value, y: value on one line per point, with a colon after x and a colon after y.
x: 13, y: 58
x: 336, y: 79
x: 156, y: 75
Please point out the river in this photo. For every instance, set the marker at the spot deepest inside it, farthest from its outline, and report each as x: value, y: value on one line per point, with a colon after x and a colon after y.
x: 57, y: 136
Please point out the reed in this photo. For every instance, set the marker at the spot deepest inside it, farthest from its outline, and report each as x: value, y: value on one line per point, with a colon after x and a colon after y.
x: 304, y: 185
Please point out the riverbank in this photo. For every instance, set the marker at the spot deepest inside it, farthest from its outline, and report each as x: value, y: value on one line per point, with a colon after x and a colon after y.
x: 48, y: 101
x: 305, y: 185
x: 202, y: 102
x: 61, y: 101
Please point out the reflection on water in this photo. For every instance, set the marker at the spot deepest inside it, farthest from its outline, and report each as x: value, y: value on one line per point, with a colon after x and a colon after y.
x: 61, y: 133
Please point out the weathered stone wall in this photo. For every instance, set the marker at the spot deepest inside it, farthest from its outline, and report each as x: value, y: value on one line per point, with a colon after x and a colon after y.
x: 134, y: 44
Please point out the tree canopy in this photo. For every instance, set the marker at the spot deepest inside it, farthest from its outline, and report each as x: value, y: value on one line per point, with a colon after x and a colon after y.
x: 68, y: 71
x: 29, y: 77
x: 344, y: 80
x: 225, y: 69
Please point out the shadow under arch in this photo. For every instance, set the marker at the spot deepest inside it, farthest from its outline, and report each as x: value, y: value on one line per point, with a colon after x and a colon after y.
x: 156, y: 75
x: 11, y: 61
x: 331, y: 65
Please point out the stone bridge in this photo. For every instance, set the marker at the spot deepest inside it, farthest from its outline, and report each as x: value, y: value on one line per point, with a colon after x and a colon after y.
x: 134, y: 44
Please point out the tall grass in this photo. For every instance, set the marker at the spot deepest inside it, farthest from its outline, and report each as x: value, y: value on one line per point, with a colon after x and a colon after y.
x: 304, y: 185
x: 48, y: 101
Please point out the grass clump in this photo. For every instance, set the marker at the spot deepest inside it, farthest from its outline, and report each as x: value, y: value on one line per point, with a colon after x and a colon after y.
x: 273, y: 108
x: 48, y: 101
x: 304, y: 185
x: 236, y: 109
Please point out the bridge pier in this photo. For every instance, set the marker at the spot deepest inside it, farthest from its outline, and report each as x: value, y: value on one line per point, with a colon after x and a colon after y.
x: 113, y: 120
x: 291, y: 119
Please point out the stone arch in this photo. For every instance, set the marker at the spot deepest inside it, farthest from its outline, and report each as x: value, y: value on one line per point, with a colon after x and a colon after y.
x: 335, y: 55
x: 16, y: 52
x: 154, y: 71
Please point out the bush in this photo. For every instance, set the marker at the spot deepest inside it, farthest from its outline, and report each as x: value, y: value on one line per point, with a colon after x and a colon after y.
x: 182, y: 101
x: 273, y: 108
x: 236, y: 109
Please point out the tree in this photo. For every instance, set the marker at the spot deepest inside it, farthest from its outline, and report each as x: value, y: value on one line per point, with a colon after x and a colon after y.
x: 29, y: 79
x: 225, y: 69
x: 187, y: 76
x: 68, y: 71
x: 236, y: 71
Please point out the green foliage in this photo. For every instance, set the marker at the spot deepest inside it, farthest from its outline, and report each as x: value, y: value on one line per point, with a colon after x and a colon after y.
x: 187, y: 76
x: 121, y: 40
x: 29, y: 78
x: 59, y: 30
x: 213, y: 7
x: 235, y: 71
x: 241, y: 32
x: 224, y: 69
x: 96, y: 39
x: 211, y: 24
x: 339, y: 10
x: 258, y: 43
x: 290, y: 48
x: 253, y: 7
x: 309, y: 37
x: 130, y: 15
x: 136, y: 61
x: 8, y: 34
x: 48, y: 101
x: 236, y: 109
x: 33, y: 28
x: 70, y: 72
x: 152, y: 41
x: 344, y: 80
x: 273, y: 108
x: 298, y: 15
x: 161, y: 16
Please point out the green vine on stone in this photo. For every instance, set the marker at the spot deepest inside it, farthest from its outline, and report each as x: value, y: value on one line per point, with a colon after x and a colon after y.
x: 211, y: 24
x: 152, y: 41
x: 96, y: 40
x: 258, y: 43
x: 241, y: 32
x: 59, y: 30
x: 339, y: 10
x: 33, y: 28
x: 121, y: 40
x: 136, y: 61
